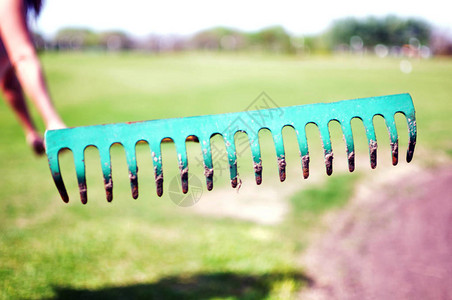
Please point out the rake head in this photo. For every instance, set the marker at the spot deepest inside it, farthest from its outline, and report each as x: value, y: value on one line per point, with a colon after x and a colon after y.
x: 204, y: 127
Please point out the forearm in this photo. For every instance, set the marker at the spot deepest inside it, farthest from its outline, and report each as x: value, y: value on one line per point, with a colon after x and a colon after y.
x: 29, y: 72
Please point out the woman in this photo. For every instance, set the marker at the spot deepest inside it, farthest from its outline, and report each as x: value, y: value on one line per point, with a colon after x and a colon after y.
x: 20, y: 70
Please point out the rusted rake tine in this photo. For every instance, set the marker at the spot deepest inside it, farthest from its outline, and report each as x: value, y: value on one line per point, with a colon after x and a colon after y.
x: 207, y: 158
x: 133, y: 169
x: 304, y: 152
x: 105, y: 161
x: 411, y: 119
x: 232, y: 158
x: 393, y: 137
x: 372, y: 140
x: 327, y: 150
x: 79, y: 160
x: 349, y: 142
x: 183, y: 163
x: 156, y: 155
x: 256, y: 153
x: 280, y: 154
x: 204, y: 127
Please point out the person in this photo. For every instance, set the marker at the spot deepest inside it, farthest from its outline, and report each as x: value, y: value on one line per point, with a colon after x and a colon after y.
x: 21, y: 71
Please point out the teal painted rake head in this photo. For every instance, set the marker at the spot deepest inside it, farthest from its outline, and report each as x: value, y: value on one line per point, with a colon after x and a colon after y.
x: 204, y: 127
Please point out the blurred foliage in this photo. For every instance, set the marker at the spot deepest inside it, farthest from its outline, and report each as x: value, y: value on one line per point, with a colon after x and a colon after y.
x: 272, y: 39
x: 76, y: 38
x: 218, y: 38
x: 389, y: 30
x: 115, y: 40
x: 368, y: 32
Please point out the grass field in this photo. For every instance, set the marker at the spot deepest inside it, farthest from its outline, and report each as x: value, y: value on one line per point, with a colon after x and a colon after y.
x: 150, y: 247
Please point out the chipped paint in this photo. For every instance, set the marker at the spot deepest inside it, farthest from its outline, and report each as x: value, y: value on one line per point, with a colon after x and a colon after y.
x: 395, y: 153
x: 373, y: 153
x: 208, y: 172
x: 351, y: 161
x: 184, y: 179
x: 83, y: 192
x: 159, y: 184
x: 258, y: 171
x: 329, y: 163
x: 109, y: 189
x: 134, y: 185
x: 305, y: 165
x: 282, y: 168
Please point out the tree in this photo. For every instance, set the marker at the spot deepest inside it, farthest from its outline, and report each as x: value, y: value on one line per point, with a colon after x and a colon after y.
x: 115, y: 40
x: 274, y: 39
x: 76, y: 38
x: 389, y: 30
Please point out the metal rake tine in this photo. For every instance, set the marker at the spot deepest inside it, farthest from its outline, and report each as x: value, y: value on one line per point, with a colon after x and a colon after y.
x: 350, y: 145
x: 304, y: 152
x: 256, y: 153
x: 54, y: 164
x: 280, y: 154
x: 105, y: 160
x: 327, y: 150
x: 183, y: 163
x: 133, y: 169
x: 411, y: 119
x: 394, y: 138
x: 207, y: 159
x: 156, y: 154
x: 372, y: 140
x: 232, y: 157
x: 79, y: 161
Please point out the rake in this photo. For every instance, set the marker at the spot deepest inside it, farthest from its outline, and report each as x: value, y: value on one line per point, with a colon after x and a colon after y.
x: 204, y: 127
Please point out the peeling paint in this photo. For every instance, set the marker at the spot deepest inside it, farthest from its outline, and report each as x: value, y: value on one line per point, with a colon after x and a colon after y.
x: 395, y: 153
x: 109, y: 189
x: 351, y: 161
x: 305, y: 164
x: 258, y: 172
x: 329, y: 163
x: 282, y: 168
x: 373, y: 153
x: 134, y: 185
x: 208, y: 172
x: 83, y: 193
x: 159, y: 184
x: 184, y: 179
x: 257, y: 167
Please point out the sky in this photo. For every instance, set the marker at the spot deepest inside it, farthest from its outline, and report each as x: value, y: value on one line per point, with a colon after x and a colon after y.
x: 144, y: 17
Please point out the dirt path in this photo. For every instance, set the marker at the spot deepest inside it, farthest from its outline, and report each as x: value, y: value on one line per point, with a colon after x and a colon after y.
x: 393, y: 241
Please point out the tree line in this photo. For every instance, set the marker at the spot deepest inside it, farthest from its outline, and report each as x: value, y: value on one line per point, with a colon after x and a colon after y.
x: 349, y: 35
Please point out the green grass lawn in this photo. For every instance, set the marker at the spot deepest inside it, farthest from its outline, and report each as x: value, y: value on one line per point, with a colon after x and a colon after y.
x: 150, y: 247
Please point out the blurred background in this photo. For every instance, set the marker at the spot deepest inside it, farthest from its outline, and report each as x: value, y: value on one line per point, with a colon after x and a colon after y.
x: 325, y: 237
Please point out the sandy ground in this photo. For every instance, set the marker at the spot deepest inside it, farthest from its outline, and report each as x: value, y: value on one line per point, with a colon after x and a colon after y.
x: 393, y: 241
x: 266, y: 204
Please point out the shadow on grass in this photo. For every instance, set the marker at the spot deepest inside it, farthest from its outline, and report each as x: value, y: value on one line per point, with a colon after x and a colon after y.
x: 196, y: 286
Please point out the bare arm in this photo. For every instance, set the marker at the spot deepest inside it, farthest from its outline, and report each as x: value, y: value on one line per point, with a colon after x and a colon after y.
x: 22, y: 55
